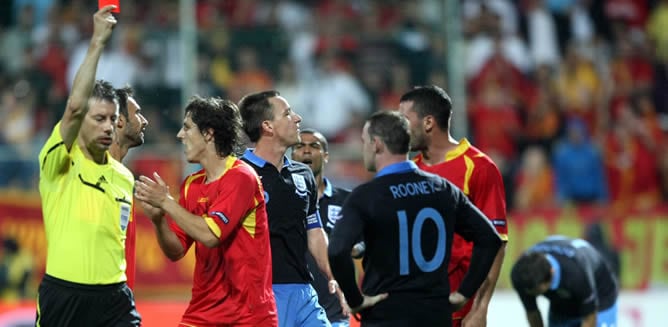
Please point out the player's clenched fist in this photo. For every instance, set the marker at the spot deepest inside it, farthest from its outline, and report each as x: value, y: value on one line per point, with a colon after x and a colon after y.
x: 103, y: 24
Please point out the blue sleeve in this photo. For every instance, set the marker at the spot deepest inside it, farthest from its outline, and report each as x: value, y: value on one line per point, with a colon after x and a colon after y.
x: 312, y: 218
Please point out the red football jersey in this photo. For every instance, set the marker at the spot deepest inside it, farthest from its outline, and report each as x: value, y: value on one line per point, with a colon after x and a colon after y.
x: 130, y: 250
x: 478, y: 177
x: 232, y: 282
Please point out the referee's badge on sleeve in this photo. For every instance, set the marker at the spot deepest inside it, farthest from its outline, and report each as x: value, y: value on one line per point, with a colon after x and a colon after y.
x: 125, y: 216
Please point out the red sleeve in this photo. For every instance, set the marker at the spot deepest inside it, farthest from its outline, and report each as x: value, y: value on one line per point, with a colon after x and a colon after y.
x: 130, y: 246
x: 489, y: 195
x: 235, y: 199
x: 186, y: 240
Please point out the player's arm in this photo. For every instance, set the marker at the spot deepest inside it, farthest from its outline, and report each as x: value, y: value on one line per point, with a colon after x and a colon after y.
x: 534, y: 318
x: 490, y: 197
x: 156, y: 193
x: 84, y: 80
x: 342, y: 238
x: 474, y: 226
x: 170, y: 244
x: 589, y: 320
x: 530, y: 307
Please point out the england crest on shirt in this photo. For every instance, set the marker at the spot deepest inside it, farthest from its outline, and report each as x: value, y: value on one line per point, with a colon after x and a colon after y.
x: 333, y: 213
x: 300, y: 184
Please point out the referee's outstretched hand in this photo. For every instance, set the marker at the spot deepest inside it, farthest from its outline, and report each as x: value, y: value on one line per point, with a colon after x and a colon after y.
x: 103, y: 24
x: 369, y: 301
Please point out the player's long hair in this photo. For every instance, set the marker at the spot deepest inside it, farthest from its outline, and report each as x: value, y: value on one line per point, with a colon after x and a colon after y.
x: 221, y: 117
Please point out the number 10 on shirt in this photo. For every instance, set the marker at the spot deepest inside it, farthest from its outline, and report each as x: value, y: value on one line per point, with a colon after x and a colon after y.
x: 415, y: 241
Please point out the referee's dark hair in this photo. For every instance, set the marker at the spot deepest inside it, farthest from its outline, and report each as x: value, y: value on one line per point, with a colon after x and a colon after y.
x: 430, y: 100
x: 221, y: 117
x: 103, y: 90
x: 392, y: 128
x: 530, y: 271
x: 256, y: 108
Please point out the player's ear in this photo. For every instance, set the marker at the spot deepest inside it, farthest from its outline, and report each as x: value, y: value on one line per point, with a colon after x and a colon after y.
x: 120, y: 121
x: 325, y: 157
x: 208, y: 135
x: 267, y: 127
x: 428, y: 123
x: 378, y: 145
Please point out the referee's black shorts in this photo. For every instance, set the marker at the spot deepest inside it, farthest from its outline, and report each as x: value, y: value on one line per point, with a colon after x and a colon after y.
x: 61, y: 303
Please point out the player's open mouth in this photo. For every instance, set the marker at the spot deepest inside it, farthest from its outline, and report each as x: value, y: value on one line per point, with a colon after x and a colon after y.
x: 307, y: 161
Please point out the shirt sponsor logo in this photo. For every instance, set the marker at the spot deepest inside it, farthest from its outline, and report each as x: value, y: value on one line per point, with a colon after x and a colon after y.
x: 203, y: 200
x: 220, y: 215
x: 125, y: 216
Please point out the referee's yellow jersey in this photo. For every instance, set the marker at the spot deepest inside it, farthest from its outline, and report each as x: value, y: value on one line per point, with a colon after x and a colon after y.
x: 86, y: 208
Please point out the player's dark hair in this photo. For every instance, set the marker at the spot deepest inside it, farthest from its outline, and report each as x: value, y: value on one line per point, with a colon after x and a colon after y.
x: 392, y: 128
x: 123, y: 95
x: 430, y: 100
x: 531, y: 270
x: 256, y: 108
x: 318, y: 135
x: 103, y: 90
x: 222, y: 117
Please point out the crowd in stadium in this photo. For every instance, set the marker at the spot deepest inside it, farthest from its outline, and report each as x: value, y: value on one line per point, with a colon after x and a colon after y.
x: 568, y: 97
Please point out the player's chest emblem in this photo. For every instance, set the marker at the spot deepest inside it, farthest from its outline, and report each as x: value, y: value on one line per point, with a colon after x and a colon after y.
x: 300, y: 184
x: 333, y: 213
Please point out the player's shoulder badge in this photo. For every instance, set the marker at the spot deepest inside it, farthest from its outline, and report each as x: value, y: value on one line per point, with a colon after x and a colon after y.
x: 300, y: 182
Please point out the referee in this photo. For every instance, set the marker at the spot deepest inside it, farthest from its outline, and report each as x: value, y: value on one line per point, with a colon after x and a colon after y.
x: 86, y: 204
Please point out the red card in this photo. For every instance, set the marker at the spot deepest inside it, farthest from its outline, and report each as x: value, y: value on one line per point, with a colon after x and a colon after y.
x: 104, y: 3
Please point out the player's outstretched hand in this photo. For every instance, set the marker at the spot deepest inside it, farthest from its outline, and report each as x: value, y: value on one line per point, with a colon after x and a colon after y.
x: 152, y: 192
x: 457, y: 300
x: 103, y: 24
x: 369, y: 301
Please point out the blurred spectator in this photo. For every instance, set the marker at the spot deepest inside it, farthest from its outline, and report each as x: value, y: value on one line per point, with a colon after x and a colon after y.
x: 657, y: 29
x: 578, y: 167
x: 16, y: 40
x: 579, y: 88
x: 538, y: 25
x: 337, y: 100
x: 631, y: 164
x: 534, y: 185
x: 249, y: 76
x: 16, y: 268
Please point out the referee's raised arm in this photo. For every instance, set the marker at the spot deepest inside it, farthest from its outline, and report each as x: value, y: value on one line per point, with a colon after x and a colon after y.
x: 84, y: 80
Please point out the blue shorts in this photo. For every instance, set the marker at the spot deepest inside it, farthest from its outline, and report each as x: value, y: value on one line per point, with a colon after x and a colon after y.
x: 606, y: 318
x: 298, y: 306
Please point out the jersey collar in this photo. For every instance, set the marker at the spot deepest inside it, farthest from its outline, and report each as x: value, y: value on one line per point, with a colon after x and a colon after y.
x: 556, y: 268
x: 253, y: 158
x: 329, y: 190
x: 460, y: 149
x: 396, y: 168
